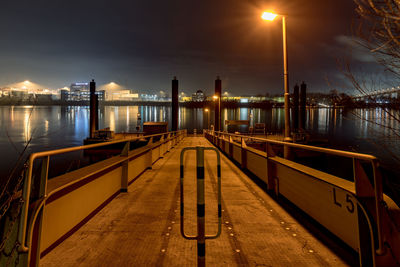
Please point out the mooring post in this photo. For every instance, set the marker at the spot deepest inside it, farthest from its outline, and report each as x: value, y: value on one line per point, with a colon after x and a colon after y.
x: 218, y: 88
x: 295, y: 111
x: 92, y: 109
x: 303, y: 103
x: 175, y: 105
x: 96, y: 108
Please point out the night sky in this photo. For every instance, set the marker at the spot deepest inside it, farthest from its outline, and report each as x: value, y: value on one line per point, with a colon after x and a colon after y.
x: 143, y: 44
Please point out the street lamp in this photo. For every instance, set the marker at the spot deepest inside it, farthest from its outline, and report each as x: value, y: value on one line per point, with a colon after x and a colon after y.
x: 271, y: 16
x: 268, y: 16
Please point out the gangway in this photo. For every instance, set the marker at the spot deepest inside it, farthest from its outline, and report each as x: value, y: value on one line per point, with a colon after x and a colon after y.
x: 141, y: 227
x: 124, y: 211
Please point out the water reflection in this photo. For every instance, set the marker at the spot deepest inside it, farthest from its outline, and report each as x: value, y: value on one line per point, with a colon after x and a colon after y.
x: 27, y: 127
x: 21, y: 122
x: 55, y: 127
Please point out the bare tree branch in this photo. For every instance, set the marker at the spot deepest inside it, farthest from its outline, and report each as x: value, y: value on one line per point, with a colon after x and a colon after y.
x: 379, y: 30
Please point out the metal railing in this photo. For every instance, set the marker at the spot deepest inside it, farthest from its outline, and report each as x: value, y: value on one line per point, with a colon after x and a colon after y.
x: 356, y: 157
x: 25, y: 240
x: 336, y: 152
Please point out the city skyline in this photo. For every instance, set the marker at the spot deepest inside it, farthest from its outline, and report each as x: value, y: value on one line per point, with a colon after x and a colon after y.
x: 110, y: 86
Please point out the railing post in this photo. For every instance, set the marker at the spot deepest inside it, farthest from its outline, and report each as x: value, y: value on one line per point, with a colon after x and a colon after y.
x: 168, y: 142
x: 38, y: 194
x: 172, y: 138
x: 230, y: 147
x: 366, y: 195
x: 378, y: 205
x: 125, y: 168
x: 150, y: 155
x: 243, y: 151
x: 44, y: 174
x: 162, y: 147
x: 271, y: 172
x: 26, y: 191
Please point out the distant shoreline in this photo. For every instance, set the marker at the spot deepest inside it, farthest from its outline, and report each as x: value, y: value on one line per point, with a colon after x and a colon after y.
x: 204, y: 104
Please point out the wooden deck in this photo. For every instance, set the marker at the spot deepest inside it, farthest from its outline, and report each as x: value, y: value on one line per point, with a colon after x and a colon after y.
x: 141, y: 227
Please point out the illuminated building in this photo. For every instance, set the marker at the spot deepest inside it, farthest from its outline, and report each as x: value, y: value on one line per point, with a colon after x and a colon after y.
x: 148, y: 97
x: 121, y: 95
x: 79, y: 91
x: 198, y: 96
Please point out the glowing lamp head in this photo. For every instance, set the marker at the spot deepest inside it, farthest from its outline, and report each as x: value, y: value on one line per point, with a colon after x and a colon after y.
x: 215, y: 97
x: 268, y: 16
x: 206, y: 110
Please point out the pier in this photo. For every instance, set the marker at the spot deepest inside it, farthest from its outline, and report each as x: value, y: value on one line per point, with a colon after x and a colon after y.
x: 125, y: 210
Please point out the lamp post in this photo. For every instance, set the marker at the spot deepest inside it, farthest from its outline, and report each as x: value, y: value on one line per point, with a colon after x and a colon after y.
x: 271, y: 16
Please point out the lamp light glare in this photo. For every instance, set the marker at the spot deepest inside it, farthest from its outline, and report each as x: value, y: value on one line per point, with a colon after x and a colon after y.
x: 268, y: 16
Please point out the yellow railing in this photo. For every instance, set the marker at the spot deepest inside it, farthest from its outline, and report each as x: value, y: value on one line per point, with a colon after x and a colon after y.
x: 23, y: 239
x: 360, y: 179
x: 336, y: 152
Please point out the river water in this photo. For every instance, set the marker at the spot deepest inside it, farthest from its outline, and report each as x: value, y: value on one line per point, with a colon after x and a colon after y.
x: 371, y: 131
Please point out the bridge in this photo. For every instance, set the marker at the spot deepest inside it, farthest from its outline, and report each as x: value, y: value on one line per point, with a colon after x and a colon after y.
x: 126, y: 210
x: 392, y: 92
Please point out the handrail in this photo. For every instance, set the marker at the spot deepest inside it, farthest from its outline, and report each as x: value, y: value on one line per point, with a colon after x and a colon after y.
x: 28, y: 178
x: 372, y: 159
x: 347, y: 154
x: 76, y: 148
